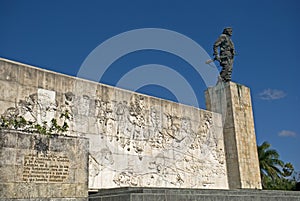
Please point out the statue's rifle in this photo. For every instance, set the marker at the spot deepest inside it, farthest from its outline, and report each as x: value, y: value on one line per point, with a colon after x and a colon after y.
x: 210, y: 60
x: 214, y: 59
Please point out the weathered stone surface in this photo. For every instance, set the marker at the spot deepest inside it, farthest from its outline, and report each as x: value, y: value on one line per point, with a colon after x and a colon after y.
x: 233, y: 101
x: 173, y: 194
x: 135, y: 140
x: 34, y: 166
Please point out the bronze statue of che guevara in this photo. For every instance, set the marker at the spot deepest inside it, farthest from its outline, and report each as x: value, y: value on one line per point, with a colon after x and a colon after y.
x: 226, y: 53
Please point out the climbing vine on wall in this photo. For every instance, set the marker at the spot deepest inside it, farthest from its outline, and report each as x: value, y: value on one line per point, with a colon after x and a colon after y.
x: 47, y: 128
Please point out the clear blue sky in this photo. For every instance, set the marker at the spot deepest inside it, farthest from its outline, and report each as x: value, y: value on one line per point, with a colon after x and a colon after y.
x: 59, y: 35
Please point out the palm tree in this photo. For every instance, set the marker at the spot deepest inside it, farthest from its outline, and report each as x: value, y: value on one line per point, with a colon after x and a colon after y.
x: 270, y: 165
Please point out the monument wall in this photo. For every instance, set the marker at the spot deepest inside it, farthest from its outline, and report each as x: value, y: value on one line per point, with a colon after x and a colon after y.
x: 42, y: 167
x: 135, y: 140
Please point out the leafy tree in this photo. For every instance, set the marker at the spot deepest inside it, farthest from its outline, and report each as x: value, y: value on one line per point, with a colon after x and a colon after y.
x: 269, y: 162
x: 274, y: 172
x: 288, y: 169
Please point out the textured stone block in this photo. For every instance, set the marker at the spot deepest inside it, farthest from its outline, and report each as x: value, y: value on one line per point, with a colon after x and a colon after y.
x: 8, y: 90
x: 8, y: 71
x: 34, y: 166
x: 28, y: 76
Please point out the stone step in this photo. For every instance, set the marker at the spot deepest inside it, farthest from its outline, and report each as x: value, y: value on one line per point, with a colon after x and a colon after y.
x: 170, y: 194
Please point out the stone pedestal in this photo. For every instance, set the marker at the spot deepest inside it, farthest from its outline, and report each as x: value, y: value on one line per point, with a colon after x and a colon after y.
x: 233, y: 101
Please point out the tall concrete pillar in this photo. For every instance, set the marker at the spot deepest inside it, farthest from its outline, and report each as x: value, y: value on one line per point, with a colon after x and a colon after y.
x: 233, y: 101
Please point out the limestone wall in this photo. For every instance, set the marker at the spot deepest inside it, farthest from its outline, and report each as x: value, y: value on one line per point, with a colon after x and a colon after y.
x: 135, y: 140
x: 39, y: 167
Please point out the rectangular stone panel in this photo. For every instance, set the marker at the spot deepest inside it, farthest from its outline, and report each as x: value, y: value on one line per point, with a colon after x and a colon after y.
x: 40, y: 166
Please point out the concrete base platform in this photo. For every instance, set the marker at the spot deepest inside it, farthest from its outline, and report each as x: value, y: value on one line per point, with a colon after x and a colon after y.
x: 173, y: 194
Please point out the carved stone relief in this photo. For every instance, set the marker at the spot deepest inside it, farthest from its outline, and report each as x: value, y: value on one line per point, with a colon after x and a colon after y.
x: 170, y: 152
x: 26, y: 108
x: 140, y: 144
